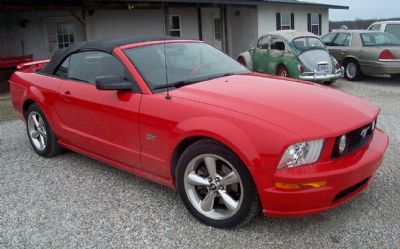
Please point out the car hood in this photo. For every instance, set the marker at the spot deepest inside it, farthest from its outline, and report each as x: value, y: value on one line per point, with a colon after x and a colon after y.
x: 305, y: 109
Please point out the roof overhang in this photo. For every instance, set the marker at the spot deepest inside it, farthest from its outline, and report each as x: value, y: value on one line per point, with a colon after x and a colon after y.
x: 112, y: 4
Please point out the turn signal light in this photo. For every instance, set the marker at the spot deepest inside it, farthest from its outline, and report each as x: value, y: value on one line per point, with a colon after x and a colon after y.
x: 307, y: 185
x: 387, y: 55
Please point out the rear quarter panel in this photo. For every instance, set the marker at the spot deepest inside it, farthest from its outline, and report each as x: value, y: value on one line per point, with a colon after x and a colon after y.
x: 41, y: 89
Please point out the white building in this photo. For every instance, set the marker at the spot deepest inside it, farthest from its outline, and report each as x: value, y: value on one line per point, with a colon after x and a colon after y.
x: 41, y: 27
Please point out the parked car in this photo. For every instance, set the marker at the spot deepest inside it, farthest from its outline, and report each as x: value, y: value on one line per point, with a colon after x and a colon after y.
x: 365, y: 52
x: 289, y: 53
x: 184, y: 114
x: 392, y: 27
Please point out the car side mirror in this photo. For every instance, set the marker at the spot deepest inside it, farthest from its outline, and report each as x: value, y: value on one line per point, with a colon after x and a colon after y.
x: 112, y: 82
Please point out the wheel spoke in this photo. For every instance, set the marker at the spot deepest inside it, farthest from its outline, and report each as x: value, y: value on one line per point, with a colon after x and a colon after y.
x: 211, y: 166
x: 229, y: 179
x: 35, y: 134
x: 229, y: 202
x: 195, y: 179
x: 207, y: 203
x: 41, y: 123
x: 35, y: 120
x: 42, y: 142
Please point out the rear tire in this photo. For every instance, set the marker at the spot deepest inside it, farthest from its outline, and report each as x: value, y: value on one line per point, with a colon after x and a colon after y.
x: 215, y: 186
x: 40, y: 135
x: 352, y: 70
x: 282, y: 71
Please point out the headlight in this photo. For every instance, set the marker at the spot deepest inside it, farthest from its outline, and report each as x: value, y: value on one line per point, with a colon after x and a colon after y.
x: 342, y: 145
x: 301, y: 153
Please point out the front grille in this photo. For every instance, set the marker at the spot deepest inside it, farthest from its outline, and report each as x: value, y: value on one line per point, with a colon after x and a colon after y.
x: 355, y: 140
x: 348, y: 191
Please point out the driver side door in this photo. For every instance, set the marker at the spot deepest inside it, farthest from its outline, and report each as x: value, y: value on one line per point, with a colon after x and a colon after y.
x: 105, y: 123
x: 260, y: 55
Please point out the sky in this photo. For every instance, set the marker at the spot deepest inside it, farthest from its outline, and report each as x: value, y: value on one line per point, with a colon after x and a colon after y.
x: 363, y: 9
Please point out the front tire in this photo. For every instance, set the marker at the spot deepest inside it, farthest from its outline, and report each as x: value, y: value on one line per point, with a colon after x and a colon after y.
x: 352, y: 70
x: 215, y: 186
x: 40, y: 134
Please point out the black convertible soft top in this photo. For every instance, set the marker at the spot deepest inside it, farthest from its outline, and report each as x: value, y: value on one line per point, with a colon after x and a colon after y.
x: 105, y: 45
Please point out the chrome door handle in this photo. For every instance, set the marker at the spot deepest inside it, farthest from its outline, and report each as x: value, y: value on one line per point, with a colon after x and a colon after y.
x: 344, y: 51
x: 65, y: 95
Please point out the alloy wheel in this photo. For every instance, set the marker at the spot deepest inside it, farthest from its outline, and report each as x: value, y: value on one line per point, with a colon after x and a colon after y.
x: 37, y: 131
x: 213, y: 186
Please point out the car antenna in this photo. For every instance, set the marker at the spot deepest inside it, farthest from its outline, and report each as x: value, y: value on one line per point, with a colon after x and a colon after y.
x: 168, y: 97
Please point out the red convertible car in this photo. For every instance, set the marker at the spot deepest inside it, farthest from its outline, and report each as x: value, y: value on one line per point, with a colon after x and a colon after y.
x: 185, y: 115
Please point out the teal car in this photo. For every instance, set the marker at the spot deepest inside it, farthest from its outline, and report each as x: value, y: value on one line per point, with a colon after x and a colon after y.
x: 288, y: 53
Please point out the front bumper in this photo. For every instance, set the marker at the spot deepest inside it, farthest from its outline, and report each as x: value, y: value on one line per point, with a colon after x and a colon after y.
x: 346, y: 177
x: 317, y: 77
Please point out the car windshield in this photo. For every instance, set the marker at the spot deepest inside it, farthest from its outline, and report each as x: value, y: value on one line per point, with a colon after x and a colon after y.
x: 178, y: 64
x: 379, y: 39
x: 305, y: 43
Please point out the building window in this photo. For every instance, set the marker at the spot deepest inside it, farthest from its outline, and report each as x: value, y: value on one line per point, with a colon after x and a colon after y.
x: 315, y: 21
x: 175, y: 26
x: 284, y: 21
x: 65, y: 35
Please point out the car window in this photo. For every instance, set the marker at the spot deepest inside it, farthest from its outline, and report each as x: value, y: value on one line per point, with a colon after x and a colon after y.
x: 379, y: 39
x: 393, y: 29
x: 181, y: 62
x: 304, y: 43
x: 278, y: 45
x: 375, y: 27
x: 328, y: 39
x: 263, y: 43
x: 62, y: 70
x: 342, y: 39
x: 86, y: 66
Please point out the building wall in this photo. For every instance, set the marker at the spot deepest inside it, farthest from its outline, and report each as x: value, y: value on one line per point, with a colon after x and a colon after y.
x: 33, y: 38
x: 242, y: 29
x: 106, y: 23
x: 267, y: 17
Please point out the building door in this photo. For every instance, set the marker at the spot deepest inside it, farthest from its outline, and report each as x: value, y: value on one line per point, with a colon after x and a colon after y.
x: 212, y: 27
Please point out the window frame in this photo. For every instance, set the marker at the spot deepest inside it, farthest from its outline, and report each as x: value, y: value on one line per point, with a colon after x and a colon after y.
x: 170, y: 26
x: 290, y: 21
x: 317, y: 24
x: 132, y: 79
x: 61, y: 25
x: 267, y: 37
x: 338, y: 34
x: 378, y: 25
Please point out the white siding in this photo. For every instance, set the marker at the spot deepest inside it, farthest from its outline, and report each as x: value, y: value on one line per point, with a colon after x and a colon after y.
x: 242, y: 29
x: 106, y: 23
x: 189, y: 22
x: 267, y: 17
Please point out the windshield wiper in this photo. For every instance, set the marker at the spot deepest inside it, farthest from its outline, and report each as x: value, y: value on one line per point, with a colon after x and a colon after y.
x: 182, y: 83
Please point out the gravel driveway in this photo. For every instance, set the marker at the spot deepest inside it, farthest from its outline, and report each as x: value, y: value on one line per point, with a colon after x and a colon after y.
x: 73, y: 201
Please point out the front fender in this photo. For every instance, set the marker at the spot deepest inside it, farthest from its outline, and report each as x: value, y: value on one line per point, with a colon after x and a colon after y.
x: 223, y: 131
